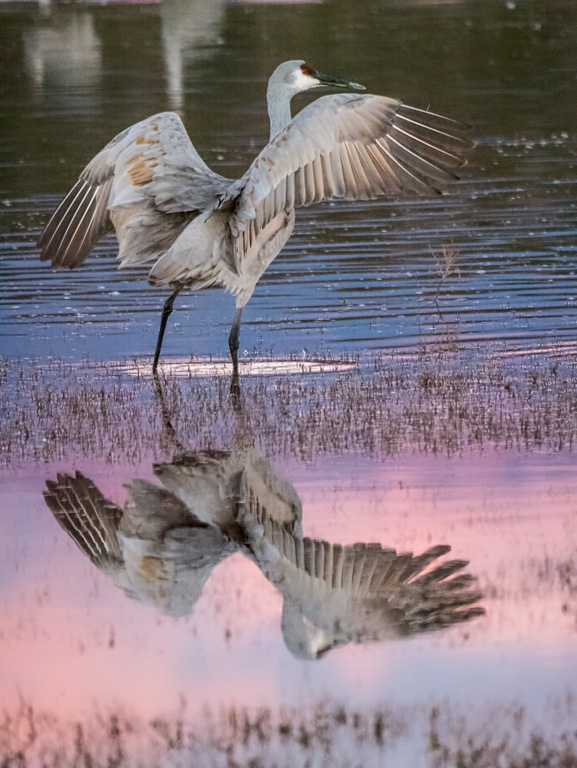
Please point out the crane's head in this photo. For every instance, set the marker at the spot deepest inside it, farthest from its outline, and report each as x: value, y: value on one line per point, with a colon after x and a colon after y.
x: 297, y: 76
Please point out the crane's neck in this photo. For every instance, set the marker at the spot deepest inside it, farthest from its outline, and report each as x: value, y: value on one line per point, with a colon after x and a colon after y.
x: 278, y: 99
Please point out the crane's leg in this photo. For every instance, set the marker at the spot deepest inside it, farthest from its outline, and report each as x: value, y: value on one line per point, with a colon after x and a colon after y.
x: 166, y: 311
x: 233, y: 346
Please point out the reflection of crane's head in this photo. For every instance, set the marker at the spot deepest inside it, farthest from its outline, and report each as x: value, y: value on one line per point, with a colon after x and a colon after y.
x: 302, y: 638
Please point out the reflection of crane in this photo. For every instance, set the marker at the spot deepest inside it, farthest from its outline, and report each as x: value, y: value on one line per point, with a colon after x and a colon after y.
x: 164, y: 544
x: 334, y: 595
x: 162, y: 547
x: 190, y: 30
x: 164, y: 202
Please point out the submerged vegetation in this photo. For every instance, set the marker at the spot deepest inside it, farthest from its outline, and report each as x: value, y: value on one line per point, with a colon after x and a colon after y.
x: 433, y: 402
x: 321, y: 735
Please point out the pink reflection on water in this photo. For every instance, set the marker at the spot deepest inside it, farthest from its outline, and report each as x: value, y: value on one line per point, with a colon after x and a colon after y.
x: 70, y: 638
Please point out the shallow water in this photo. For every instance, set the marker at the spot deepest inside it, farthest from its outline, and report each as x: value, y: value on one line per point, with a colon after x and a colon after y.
x: 464, y: 436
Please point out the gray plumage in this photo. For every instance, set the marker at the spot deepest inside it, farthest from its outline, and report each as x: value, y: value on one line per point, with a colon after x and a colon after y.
x: 151, y: 186
x: 334, y: 594
x: 155, y: 549
x: 163, y: 545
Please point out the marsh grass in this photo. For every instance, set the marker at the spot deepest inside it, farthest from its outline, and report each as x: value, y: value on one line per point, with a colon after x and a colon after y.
x: 447, y: 266
x: 322, y: 734
x: 433, y: 402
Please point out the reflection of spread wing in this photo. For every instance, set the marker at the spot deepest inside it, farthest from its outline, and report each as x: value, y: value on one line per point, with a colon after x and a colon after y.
x: 88, y: 518
x: 209, y: 483
x: 148, y: 183
x: 337, y: 594
x: 155, y: 549
x: 164, y: 544
x: 265, y: 494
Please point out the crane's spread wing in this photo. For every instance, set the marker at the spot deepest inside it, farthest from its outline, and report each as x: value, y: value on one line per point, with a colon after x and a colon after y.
x: 147, y: 183
x: 346, y: 146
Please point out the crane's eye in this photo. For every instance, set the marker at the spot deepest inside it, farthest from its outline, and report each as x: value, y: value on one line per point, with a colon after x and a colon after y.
x: 306, y: 70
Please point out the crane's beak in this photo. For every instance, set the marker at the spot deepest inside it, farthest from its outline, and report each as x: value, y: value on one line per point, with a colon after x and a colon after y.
x: 326, y: 81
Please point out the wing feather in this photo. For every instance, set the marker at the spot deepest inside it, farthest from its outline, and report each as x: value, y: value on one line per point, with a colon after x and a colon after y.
x: 389, y: 179
x: 405, y: 152
x: 340, y: 187
x: 360, y: 592
x: 347, y: 146
x: 147, y: 184
x: 364, y: 189
x: 55, y: 241
x: 406, y: 178
x: 319, y: 179
x: 290, y: 191
x: 87, y: 516
x: 351, y: 190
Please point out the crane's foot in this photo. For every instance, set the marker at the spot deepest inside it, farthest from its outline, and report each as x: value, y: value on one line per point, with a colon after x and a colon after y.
x: 235, y: 393
x: 235, y: 384
x: 233, y: 345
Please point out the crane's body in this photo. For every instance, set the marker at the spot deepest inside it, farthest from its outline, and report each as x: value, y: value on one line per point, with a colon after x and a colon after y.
x: 202, y: 230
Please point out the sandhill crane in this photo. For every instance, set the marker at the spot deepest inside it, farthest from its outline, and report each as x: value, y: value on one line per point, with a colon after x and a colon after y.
x: 203, y: 230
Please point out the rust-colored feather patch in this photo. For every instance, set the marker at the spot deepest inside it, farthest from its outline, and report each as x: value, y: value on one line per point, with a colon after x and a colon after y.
x: 141, y: 170
x: 144, y: 140
x: 152, y: 568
